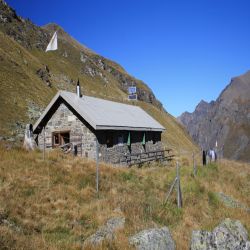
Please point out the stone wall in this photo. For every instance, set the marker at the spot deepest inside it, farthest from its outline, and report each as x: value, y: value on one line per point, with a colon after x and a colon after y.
x: 115, y: 154
x: 65, y: 119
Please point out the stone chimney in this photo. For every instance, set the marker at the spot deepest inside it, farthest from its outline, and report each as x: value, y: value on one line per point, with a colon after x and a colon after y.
x: 78, y: 89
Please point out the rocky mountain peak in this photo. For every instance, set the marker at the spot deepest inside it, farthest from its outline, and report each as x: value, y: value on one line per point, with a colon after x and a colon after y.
x: 7, y: 14
x: 202, y: 106
x: 21, y: 30
x: 238, y: 89
x: 2, y: 2
x: 52, y: 27
x: 226, y: 120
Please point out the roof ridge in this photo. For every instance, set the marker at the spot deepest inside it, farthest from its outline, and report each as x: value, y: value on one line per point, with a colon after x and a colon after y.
x: 104, y: 114
x: 102, y: 99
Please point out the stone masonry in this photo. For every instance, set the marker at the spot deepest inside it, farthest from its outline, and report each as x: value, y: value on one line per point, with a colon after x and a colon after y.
x: 115, y: 153
x: 64, y: 118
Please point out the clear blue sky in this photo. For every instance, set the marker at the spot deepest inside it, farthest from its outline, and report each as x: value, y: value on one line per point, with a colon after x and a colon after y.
x: 184, y: 50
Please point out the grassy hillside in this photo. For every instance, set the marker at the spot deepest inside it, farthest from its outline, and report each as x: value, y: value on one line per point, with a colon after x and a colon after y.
x: 52, y: 204
x: 21, y: 88
x: 29, y: 78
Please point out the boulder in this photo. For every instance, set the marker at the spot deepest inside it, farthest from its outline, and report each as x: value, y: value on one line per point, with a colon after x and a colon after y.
x: 230, y: 235
x: 154, y: 238
x: 106, y: 232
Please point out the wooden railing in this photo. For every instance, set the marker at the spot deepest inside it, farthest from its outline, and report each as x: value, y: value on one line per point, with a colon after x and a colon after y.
x: 125, y: 159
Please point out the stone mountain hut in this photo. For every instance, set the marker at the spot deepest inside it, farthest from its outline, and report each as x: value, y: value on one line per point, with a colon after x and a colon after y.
x: 80, y: 124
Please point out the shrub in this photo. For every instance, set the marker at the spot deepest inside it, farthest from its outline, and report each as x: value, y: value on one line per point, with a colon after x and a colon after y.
x: 213, y: 199
x: 128, y: 176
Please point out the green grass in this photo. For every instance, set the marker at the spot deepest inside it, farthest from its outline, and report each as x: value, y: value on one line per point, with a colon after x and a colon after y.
x: 213, y: 199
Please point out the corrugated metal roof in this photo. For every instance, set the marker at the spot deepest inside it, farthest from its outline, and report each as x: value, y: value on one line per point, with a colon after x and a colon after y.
x: 104, y: 114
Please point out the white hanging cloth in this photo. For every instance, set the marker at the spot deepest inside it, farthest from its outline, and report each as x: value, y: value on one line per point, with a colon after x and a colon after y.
x: 53, y: 43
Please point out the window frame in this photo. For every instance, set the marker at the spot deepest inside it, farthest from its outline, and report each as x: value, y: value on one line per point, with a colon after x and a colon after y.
x: 60, y: 137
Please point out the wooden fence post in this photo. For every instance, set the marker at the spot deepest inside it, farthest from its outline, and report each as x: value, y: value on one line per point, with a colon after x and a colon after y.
x: 170, y: 190
x: 194, y: 165
x: 178, y: 187
x: 81, y: 145
x: 97, y: 168
x: 179, y: 195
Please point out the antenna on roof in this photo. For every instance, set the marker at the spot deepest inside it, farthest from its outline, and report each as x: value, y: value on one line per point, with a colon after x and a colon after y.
x: 78, y: 89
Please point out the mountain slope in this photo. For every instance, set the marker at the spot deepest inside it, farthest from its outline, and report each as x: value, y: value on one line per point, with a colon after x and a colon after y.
x: 226, y: 120
x: 30, y: 77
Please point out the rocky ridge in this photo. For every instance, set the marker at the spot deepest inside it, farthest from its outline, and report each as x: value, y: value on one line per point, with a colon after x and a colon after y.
x: 226, y: 120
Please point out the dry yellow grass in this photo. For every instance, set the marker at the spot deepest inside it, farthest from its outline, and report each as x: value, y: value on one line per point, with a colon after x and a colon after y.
x: 52, y: 204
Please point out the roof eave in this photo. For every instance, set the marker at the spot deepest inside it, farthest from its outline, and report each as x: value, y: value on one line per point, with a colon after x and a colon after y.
x: 61, y: 94
x: 53, y: 101
x: 106, y: 127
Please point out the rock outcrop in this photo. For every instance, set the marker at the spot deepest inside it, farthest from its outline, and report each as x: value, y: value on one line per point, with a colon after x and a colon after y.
x: 231, y: 202
x: 226, y: 120
x: 155, y: 238
x: 44, y: 74
x: 106, y: 232
x: 21, y: 30
x: 229, y: 235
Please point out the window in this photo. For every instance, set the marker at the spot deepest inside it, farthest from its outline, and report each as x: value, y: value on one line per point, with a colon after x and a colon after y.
x: 60, y: 138
x: 64, y: 138
x: 56, y: 139
x: 156, y: 137
x: 144, y: 139
x: 109, y: 139
x: 120, y: 140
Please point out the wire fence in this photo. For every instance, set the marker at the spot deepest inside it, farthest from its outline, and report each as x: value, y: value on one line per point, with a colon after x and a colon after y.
x: 195, y: 158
